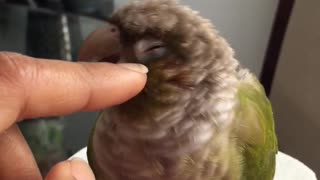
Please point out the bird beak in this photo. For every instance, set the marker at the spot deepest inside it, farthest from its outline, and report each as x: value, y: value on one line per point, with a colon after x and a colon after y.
x: 101, y: 45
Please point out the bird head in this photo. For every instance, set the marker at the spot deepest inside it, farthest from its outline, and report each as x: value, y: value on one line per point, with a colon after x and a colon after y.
x: 182, y: 50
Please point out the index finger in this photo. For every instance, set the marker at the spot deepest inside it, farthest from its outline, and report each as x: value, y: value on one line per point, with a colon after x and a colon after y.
x: 31, y: 87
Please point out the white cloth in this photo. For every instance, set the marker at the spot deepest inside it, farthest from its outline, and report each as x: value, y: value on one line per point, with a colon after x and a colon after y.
x: 287, y: 168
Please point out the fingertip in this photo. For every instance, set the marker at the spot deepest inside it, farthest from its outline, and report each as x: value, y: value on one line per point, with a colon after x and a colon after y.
x: 140, y: 68
x: 62, y: 170
x: 81, y: 170
x: 74, y: 169
x: 116, y: 84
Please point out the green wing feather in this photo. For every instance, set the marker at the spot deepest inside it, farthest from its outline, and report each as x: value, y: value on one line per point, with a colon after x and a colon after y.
x: 255, y: 130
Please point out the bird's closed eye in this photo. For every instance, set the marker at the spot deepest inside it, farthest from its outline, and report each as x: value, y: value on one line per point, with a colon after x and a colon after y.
x: 150, y: 49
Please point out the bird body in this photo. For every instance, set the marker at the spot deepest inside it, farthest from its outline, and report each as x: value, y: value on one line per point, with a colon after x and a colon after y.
x: 201, y: 116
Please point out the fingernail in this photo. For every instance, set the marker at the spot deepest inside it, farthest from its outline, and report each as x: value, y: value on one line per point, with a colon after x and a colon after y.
x: 135, y: 67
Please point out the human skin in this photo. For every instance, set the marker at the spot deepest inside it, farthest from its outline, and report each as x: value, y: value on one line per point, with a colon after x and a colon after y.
x: 32, y: 88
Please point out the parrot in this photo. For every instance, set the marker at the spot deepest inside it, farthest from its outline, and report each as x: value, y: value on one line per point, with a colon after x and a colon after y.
x: 200, y: 116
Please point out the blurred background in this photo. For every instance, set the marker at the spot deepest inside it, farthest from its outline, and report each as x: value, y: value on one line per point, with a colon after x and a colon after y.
x: 277, y: 39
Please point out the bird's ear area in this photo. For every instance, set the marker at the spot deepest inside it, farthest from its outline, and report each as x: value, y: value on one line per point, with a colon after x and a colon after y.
x: 103, y: 44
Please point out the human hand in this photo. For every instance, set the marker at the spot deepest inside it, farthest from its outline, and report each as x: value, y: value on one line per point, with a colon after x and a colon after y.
x: 32, y: 88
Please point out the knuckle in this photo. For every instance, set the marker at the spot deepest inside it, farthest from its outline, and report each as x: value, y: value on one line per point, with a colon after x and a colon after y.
x: 14, y: 68
x: 8, y: 68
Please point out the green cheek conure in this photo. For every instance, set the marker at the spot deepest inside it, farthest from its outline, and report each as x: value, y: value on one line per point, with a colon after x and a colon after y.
x: 201, y: 116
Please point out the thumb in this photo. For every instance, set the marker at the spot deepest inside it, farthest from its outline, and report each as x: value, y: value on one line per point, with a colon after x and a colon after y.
x: 74, y: 169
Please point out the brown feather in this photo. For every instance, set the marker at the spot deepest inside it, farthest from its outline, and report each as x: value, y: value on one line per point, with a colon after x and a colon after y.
x: 170, y: 130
